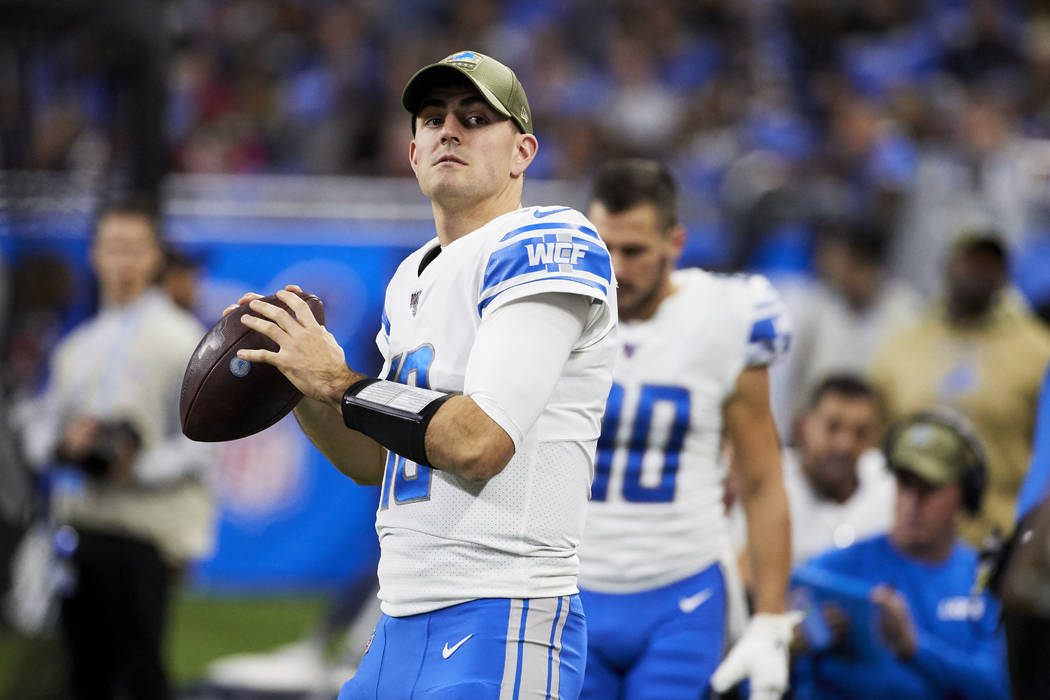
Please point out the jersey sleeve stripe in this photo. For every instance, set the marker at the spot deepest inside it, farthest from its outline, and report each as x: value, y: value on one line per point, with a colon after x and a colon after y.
x: 550, y: 226
x: 552, y: 253
x: 770, y: 338
x: 587, y: 285
x: 386, y: 322
x: 763, y: 330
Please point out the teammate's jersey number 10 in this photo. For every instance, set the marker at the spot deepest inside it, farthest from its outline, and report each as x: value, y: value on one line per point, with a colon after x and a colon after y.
x: 649, y: 396
x: 408, y: 481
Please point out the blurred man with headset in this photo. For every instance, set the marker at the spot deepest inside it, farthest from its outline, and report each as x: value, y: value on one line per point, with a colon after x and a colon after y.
x: 933, y: 635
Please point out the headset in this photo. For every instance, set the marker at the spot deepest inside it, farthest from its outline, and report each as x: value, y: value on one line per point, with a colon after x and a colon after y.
x: 975, y: 469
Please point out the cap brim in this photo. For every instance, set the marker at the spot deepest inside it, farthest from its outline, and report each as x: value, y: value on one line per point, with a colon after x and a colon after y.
x: 424, y: 78
x: 930, y: 470
x: 967, y: 242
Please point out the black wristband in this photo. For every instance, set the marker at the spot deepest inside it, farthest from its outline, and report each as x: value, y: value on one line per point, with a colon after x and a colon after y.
x: 394, y: 415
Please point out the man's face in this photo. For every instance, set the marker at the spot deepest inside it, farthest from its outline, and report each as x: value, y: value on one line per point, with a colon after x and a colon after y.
x: 463, y: 149
x: 925, y: 514
x: 643, y: 255
x: 125, y: 256
x: 835, y: 433
x: 974, y: 276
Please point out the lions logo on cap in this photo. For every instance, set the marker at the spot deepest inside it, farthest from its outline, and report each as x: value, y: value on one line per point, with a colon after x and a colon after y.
x: 467, y: 60
x: 920, y: 435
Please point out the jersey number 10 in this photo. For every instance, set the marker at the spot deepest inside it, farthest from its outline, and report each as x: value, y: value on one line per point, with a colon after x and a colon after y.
x: 408, y: 487
x: 649, y: 397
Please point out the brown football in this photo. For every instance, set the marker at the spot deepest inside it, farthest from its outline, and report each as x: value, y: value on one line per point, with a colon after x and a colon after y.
x: 224, y: 397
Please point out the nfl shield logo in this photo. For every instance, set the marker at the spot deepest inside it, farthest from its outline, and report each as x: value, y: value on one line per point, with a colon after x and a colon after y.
x: 413, y: 302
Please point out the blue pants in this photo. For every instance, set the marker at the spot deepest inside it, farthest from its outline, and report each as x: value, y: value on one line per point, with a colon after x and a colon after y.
x: 488, y: 649
x: 661, y: 644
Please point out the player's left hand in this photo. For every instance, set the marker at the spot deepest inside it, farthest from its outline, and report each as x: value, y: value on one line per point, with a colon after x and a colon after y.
x: 761, y: 655
x: 895, y: 621
x: 308, y: 355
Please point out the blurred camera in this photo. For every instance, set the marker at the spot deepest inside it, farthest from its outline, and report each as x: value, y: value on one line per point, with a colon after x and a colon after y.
x: 111, y: 441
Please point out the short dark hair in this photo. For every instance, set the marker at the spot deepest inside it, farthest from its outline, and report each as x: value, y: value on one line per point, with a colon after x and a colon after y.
x: 629, y: 182
x: 134, y: 204
x: 847, y: 385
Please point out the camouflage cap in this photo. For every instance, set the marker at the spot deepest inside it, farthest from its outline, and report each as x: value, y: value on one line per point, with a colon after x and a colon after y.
x: 496, y: 82
x: 933, y: 452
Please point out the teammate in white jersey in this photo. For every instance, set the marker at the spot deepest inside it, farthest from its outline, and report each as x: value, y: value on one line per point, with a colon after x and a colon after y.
x: 694, y: 348
x: 498, y: 341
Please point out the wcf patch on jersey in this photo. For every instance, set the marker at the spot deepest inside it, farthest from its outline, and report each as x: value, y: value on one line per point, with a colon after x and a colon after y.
x: 555, y: 253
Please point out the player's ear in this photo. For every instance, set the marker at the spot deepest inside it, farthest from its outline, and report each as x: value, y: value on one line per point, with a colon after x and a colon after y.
x: 525, y: 147
x: 413, y: 156
x: 676, y: 239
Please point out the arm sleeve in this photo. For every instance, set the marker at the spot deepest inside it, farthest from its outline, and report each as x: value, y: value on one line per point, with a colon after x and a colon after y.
x: 1037, y: 484
x: 972, y: 673
x: 518, y: 356
x: 769, y: 332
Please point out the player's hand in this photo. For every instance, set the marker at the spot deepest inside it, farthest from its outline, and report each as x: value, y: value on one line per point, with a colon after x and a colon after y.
x: 799, y: 644
x: 837, y: 621
x: 245, y: 298
x: 250, y: 296
x: 308, y: 355
x: 761, y: 655
x: 895, y: 621
x: 78, y: 437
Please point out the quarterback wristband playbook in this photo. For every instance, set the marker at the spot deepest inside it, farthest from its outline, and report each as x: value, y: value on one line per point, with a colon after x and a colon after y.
x: 394, y: 415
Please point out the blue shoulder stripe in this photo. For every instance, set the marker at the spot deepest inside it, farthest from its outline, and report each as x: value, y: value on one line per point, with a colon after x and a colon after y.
x: 386, y: 322
x: 763, y: 330
x: 562, y: 253
x: 550, y: 225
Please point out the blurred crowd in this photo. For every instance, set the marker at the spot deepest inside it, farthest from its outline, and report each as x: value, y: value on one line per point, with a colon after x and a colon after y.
x: 842, y: 148
x: 782, y: 118
x: 885, y: 162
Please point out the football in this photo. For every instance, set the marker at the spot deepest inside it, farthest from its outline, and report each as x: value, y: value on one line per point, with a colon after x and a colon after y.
x: 224, y: 397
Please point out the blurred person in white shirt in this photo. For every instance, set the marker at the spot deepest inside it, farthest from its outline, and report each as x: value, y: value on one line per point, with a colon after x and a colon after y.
x: 132, y: 500
x: 839, y: 490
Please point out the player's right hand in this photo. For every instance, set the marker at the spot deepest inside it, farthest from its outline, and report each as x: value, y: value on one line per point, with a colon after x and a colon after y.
x: 308, y: 355
x: 248, y: 296
x: 245, y: 298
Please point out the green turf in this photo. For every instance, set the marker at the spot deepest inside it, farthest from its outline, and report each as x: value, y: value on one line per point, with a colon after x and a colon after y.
x: 202, y: 628
x: 205, y: 628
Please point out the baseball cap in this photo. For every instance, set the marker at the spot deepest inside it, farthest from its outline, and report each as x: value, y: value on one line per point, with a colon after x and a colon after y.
x: 933, y: 452
x: 973, y: 238
x: 496, y: 82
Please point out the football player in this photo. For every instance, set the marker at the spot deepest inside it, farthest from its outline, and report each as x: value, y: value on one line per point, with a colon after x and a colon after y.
x: 498, y: 340
x: 694, y: 348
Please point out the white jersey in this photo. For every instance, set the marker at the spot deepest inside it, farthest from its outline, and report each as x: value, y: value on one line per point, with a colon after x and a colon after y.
x: 126, y: 363
x: 656, y: 513
x: 819, y: 525
x: 445, y: 540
